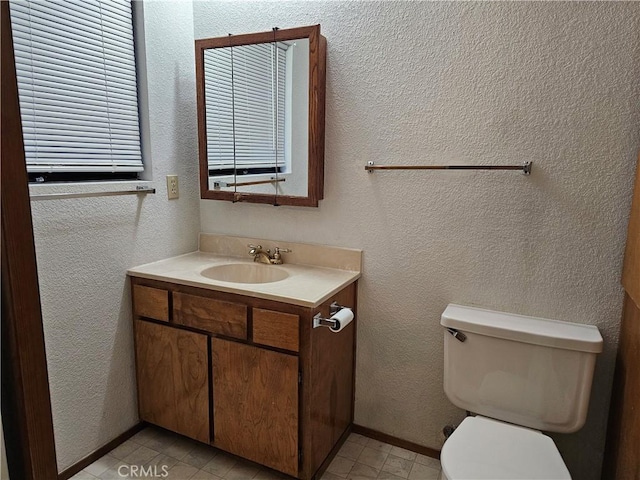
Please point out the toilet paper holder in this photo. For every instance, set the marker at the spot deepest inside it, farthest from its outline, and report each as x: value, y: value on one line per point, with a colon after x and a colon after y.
x: 320, y: 321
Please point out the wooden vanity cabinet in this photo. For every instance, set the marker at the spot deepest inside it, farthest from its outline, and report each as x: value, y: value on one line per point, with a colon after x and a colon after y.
x: 246, y: 375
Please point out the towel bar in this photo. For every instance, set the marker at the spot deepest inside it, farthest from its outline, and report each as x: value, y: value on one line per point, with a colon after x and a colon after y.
x: 524, y: 168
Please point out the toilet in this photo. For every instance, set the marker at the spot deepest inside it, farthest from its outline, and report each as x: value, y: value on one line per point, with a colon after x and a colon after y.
x: 519, y: 375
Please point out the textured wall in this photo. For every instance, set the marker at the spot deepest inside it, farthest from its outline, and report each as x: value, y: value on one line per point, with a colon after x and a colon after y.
x: 424, y: 82
x: 84, y: 247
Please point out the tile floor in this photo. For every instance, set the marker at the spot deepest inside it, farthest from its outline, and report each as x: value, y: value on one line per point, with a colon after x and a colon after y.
x: 365, y: 458
x: 174, y: 457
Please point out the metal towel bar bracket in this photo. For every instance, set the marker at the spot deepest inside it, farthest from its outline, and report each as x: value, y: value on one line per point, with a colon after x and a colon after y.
x: 525, y: 168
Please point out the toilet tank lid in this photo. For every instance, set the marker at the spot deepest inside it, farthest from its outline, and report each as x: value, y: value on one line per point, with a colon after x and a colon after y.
x: 521, y: 328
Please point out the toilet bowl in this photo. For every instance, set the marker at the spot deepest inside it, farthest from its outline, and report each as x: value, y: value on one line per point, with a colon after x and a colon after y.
x: 519, y: 375
x: 486, y: 449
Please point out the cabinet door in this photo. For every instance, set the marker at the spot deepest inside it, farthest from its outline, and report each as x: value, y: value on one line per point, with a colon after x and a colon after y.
x: 173, y: 379
x: 255, y: 404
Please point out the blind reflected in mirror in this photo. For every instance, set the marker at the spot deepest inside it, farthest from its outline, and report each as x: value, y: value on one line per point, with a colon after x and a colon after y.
x: 256, y: 101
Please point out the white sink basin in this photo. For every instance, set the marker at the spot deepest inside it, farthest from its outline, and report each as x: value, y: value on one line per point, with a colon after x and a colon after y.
x: 245, y: 273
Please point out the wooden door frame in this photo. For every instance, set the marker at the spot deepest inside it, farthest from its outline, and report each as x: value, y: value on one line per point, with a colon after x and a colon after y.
x: 622, y: 442
x: 26, y: 402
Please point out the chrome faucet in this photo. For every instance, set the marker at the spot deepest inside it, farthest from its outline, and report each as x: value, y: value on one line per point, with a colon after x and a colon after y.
x: 264, y: 256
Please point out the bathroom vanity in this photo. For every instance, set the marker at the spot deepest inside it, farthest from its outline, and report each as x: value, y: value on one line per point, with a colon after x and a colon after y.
x: 240, y: 365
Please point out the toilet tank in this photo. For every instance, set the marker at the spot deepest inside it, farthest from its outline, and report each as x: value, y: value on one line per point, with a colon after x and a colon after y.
x: 530, y: 371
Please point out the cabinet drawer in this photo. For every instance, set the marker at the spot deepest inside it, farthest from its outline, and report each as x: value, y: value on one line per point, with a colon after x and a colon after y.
x: 276, y: 329
x: 151, y: 302
x: 215, y: 316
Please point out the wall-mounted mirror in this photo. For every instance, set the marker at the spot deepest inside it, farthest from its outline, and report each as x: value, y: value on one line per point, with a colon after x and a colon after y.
x: 261, y: 116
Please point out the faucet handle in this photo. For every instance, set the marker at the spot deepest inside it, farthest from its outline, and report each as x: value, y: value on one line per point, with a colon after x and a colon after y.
x: 277, y: 258
x: 254, y: 249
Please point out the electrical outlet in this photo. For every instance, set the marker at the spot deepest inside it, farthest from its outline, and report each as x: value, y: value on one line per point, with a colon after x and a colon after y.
x: 172, y: 187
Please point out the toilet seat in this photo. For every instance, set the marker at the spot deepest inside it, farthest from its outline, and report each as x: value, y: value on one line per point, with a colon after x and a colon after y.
x: 485, y: 449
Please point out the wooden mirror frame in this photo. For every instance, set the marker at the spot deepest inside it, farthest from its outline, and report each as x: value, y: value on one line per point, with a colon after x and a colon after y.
x: 317, y: 76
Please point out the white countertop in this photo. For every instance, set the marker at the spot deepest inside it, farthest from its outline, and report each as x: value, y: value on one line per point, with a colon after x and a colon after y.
x: 306, y: 285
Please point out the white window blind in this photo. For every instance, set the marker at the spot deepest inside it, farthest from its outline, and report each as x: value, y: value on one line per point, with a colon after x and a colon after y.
x: 245, y: 117
x: 77, y: 85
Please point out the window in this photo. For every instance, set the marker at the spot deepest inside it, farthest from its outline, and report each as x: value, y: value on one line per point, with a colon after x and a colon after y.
x: 76, y: 72
x: 245, y: 94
